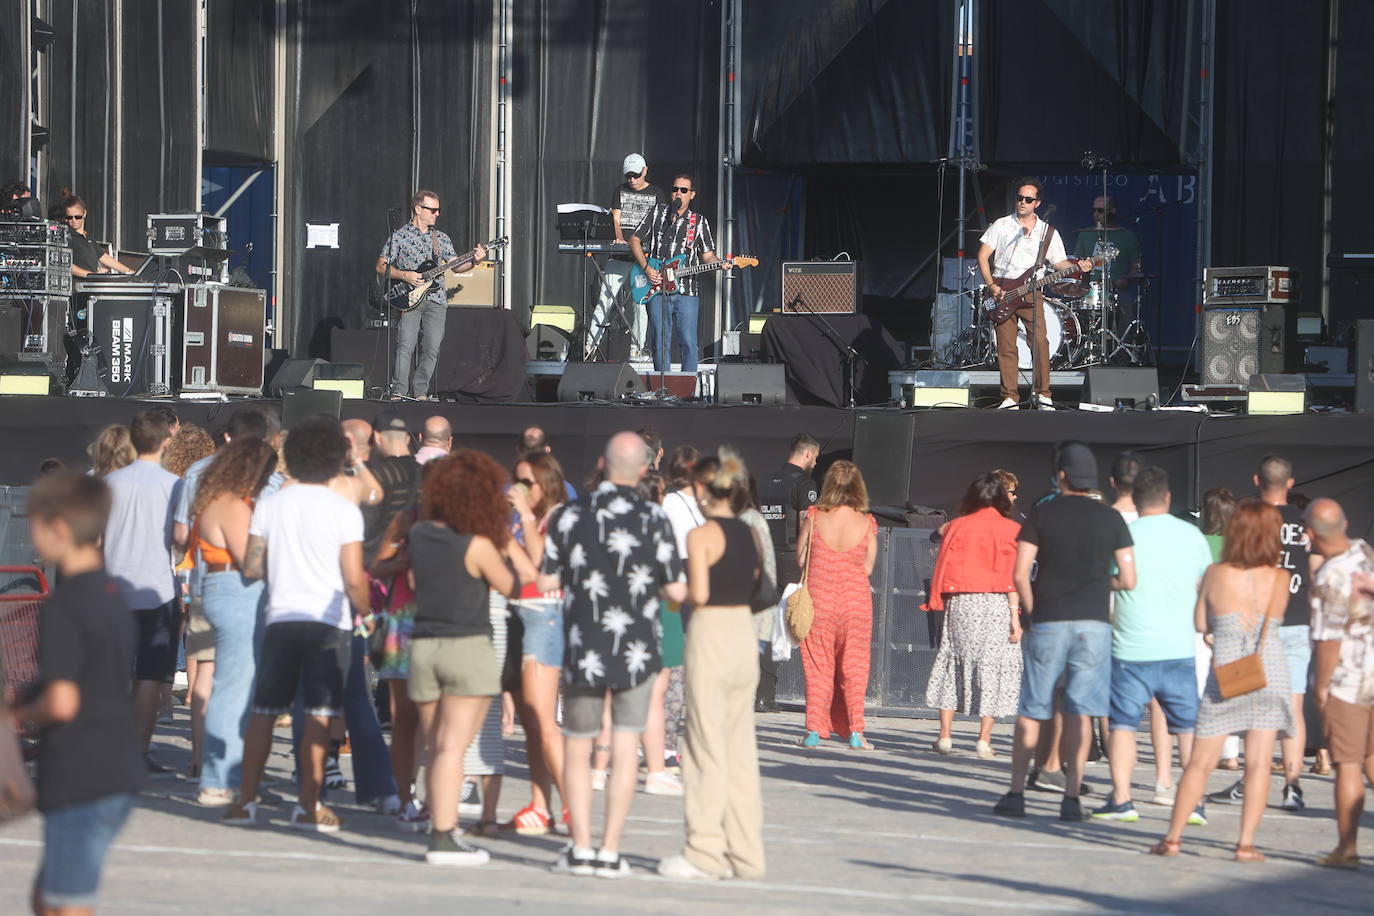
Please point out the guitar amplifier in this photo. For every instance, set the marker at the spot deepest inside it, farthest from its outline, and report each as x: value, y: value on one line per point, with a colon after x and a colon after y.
x: 223, y: 339
x: 820, y: 286
x: 1223, y: 287
x: 475, y: 288
x: 139, y: 337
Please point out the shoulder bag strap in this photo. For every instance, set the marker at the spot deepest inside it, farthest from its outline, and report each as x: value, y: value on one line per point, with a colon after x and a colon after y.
x: 810, y: 533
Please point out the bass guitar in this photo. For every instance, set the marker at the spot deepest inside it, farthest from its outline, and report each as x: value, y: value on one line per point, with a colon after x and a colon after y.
x: 403, y: 297
x: 1023, y: 294
x: 670, y: 271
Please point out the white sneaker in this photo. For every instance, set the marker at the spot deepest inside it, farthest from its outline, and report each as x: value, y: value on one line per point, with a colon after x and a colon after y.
x: 943, y: 746
x: 662, y: 783
x: 1043, y: 403
x: 1008, y: 404
x: 679, y: 868
x: 598, y: 780
x: 1164, y: 795
x: 215, y: 798
x: 612, y: 865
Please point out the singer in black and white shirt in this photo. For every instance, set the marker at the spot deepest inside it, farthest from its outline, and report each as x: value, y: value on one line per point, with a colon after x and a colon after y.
x: 1009, y: 248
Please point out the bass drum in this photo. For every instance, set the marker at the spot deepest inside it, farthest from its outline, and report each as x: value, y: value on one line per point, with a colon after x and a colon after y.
x: 1061, y: 329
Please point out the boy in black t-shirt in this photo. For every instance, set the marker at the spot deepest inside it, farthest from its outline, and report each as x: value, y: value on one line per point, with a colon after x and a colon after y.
x: 90, y: 762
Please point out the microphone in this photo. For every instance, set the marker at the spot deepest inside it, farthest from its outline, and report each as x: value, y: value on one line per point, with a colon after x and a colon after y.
x: 1089, y: 160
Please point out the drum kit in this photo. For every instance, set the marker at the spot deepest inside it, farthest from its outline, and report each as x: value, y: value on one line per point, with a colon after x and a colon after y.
x: 1085, y: 323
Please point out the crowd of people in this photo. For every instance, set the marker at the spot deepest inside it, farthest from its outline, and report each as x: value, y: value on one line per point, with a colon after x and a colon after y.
x: 279, y: 566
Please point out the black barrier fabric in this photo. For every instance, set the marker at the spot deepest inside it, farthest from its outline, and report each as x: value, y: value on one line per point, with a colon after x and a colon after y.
x: 12, y: 69
x: 482, y: 357
x: 815, y: 361
x: 1331, y: 455
x: 846, y: 81
x: 593, y: 81
x: 81, y: 146
x: 159, y: 156
x: 385, y: 102
x: 238, y: 78
x: 1058, y: 77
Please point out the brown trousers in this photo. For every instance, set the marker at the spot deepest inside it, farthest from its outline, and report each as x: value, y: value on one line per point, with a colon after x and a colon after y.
x: 1007, y: 359
x: 722, y: 794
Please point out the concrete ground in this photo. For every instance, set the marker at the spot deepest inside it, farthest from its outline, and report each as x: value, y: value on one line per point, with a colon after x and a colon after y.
x: 896, y: 830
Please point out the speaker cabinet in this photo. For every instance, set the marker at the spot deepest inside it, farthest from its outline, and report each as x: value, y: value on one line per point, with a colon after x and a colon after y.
x: 751, y: 383
x: 598, y: 382
x: 294, y: 373
x: 1118, y: 386
x: 1364, y: 365
x: 1240, y: 342
x: 299, y: 403
x: 882, y: 450
x: 367, y: 347
x: 820, y: 286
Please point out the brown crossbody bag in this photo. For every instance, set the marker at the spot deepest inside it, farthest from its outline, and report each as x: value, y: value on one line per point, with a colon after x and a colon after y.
x: 1245, y: 674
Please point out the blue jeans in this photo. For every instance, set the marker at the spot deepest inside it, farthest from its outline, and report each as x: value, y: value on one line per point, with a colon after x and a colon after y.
x: 75, y: 840
x: 667, y: 313
x: 424, y: 324
x: 372, y: 778
x: 1079, y: 649
x: 235, y: 608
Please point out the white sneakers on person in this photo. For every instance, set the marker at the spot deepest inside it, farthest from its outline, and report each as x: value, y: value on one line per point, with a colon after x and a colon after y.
x: 598, y: 780
x: 1008, y: 404
x: 215, y: 798
x: 677, y: 867
x: 662, y: 783
x: 1043, y: 403
x: 1164, y: 795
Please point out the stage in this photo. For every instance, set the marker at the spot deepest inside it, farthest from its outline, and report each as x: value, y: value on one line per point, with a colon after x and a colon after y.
x: 1332, y: 455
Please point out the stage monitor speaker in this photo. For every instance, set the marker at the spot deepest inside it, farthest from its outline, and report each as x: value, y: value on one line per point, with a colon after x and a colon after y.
x: 751, y: 383
x: 1247, y: 340
x: 882, y: 450
x: 820, y: 286
x: 1364, y: 365
x: 547, y: 343
x: 299, y: 403
x: 1276, y: 395
x: 294, y: 373
x: 367, y: 347
x: 1122, y: 386
x: 598, y: 382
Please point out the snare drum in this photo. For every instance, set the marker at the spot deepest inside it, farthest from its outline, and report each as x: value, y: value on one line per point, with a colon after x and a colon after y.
x: 1062, y: 330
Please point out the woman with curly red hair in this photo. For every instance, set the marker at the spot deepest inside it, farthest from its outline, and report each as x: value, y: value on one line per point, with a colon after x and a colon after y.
x: 456, y: 557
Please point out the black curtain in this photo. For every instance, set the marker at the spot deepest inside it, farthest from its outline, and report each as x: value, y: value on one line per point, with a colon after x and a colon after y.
x: 593, y: 81
x: 1057, y: 77
x: 847, y: 81
x: 82, y: 108
x: 1351, y: 231
x: 1267, y: 162
x: 238, y: 78
x: 159, y: 155
x: 13, y: 70
x: 387, y: 97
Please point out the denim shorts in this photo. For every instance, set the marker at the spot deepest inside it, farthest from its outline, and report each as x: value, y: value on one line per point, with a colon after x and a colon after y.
x: 1297, y: 649
x: 582, y: 708
x: 1081, y: 650
x: 75, y: 840
x: 313, y: 656
x: 1172, y: 682
x: 543, y: 638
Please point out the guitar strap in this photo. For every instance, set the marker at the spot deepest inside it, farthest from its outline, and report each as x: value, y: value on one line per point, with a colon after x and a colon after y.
x: 1040, y: 259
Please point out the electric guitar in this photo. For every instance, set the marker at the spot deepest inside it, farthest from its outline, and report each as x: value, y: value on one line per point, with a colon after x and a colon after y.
x: 641, y: 289
x: 403, y: 297
x: 1002, y: 307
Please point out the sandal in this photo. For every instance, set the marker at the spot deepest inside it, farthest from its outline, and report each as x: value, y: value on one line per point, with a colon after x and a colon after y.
x: 1165, y: 847
x: 1230, y: 763
x: 324, y: 820
x: 812, y: 739
x: 858, y: 742
x: 1248, y: 854
x: 1338, y: 860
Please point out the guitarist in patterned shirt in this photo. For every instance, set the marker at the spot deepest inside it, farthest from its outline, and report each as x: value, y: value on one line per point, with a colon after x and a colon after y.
x: 670, y: 230
x: 1011, y: 247
x: 404, y: 254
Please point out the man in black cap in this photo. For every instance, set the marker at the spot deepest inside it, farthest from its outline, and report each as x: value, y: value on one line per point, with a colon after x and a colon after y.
x: 1084, y: 552
x: 396, y: 471
x: 783, y: 498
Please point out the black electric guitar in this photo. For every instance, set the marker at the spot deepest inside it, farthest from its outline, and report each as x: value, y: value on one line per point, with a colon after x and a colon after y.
x: 1022, y: 295
x: 403, y: 297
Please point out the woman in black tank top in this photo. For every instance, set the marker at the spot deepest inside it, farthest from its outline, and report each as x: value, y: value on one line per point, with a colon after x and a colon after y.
x: 722, y: 800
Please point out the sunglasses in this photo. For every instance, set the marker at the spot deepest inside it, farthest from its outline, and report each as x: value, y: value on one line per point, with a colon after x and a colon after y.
x: 434, y: 210
x: 682, y: 190
x: 631, y: 174
x: 1099, y: 210
x: 74, y: 216
x: 526, y: 481
x: 1026, y: 200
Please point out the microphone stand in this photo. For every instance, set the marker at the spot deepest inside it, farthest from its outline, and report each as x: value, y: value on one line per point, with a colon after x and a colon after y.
x: 850, y: 354
x: 387, y: 258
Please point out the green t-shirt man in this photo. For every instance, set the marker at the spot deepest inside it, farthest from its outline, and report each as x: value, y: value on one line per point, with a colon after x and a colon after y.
x: 1154, y: 621
x: 1128, y: 246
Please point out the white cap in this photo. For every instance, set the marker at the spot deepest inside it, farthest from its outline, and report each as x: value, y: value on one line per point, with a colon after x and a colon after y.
x: 634, y: 163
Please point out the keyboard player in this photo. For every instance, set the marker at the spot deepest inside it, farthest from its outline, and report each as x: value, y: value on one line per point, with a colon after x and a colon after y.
x: 631, y: 201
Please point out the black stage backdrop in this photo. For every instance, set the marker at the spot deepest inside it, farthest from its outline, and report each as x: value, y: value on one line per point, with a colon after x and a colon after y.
x: 12, y: 75
x: 238, y: 78
x: 1331, y: 455
x: 593, y: 81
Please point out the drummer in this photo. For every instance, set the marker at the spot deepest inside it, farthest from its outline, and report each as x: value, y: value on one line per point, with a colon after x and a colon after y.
x: 1121, y: 272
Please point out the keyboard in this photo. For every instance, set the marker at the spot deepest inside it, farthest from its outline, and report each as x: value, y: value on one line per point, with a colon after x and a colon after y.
x: 595, y: 245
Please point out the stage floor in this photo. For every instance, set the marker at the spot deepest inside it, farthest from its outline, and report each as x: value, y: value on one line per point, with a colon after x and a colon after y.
x: 1332, y: 455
